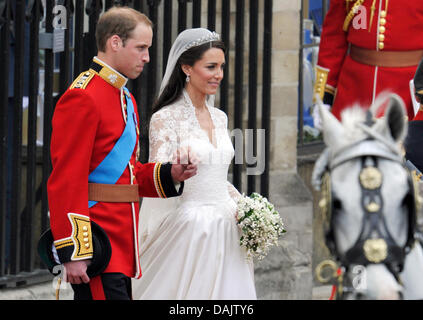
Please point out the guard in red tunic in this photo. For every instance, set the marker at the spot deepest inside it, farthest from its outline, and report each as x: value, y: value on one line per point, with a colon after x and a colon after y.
x: 367, y: 47
x: 94, y: 151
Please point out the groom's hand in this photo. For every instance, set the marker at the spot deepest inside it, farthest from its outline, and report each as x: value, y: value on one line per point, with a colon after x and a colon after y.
x: 184, y: 165
x: 76, y: 271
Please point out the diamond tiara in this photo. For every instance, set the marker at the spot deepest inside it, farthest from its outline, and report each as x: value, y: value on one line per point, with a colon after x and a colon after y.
x: 211, y: 37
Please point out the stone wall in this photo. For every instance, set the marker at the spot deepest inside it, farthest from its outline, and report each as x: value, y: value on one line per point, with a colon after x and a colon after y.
x: 286, y: 272
x: 285, y: 66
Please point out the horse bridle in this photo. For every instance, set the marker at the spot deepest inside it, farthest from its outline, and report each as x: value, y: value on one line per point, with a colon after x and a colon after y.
x: 375, y: 244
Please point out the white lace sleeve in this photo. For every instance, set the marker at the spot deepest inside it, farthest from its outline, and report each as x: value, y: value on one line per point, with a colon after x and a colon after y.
x: 162, y: 137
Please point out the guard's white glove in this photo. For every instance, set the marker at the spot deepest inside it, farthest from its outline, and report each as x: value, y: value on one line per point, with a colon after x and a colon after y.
x: 317, y: 121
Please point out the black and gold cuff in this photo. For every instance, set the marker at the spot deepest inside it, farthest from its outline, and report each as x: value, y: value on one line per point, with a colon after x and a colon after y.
x: 164, y: 182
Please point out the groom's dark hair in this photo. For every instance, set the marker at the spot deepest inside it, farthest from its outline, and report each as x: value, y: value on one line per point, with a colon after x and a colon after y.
x: 120, y: 21
x: 177, y: 80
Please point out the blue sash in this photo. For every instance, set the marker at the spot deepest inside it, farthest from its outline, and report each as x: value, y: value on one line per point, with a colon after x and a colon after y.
x: 114, y: 164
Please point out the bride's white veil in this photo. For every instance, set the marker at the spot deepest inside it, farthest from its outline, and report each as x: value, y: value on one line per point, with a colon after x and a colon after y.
x: 186, y: 40
x: 153, y: 211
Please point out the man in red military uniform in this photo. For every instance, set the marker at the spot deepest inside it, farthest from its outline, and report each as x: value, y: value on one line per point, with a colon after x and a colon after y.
x: 94, y: 151
x: 367, y: 47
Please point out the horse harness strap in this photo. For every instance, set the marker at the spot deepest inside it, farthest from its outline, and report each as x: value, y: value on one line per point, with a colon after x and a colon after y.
x: 364, y: 148
x: 375, y: 243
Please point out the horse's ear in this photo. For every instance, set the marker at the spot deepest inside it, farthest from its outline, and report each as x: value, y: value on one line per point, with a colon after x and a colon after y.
x: 395, y: 118
x: 332, y: 128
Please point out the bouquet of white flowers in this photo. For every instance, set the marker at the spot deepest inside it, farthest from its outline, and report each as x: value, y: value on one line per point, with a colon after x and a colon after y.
x: 260, y: 223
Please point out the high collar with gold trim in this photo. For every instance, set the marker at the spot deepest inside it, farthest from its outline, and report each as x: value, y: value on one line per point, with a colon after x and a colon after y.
x: 108, y: 74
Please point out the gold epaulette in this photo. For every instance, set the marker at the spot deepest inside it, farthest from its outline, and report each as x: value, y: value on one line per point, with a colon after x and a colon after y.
x: 82, y: 81
x: 351, y: 14
x: 320, y: 83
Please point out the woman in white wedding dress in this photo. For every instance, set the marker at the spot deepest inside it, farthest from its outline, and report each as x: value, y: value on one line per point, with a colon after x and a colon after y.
x: 190, y: 244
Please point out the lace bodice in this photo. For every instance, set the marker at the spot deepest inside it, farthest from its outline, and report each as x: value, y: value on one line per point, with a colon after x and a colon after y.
x: 177, y: 126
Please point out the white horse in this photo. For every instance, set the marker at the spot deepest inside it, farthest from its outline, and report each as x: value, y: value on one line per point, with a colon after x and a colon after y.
x: 370, y: 203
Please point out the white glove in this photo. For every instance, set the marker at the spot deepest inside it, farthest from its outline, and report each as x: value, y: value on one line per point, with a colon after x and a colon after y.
x: 317, y: 121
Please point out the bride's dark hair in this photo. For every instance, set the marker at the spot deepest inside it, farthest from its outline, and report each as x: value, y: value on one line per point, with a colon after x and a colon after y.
x: 177, y: 80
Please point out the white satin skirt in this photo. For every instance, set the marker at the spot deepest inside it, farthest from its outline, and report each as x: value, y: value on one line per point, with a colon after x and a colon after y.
x: 195, y: 254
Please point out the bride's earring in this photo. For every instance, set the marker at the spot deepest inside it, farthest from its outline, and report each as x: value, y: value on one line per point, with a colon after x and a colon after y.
x: 187, y: 79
